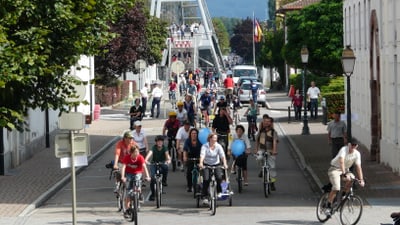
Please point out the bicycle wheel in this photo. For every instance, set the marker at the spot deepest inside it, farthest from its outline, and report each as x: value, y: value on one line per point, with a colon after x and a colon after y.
x: 120, y: 197
x: 194, y: 182
x: 239, y: 179
x: 213, y: 199
x: 266, y: 182
x: 351, y: 210
x: 158, y: 193
x: 321, y: 208
x: 134, y: 209
x: 173, y: 156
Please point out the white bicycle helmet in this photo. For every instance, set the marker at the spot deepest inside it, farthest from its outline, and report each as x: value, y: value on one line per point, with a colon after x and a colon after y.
x: 259, y: 155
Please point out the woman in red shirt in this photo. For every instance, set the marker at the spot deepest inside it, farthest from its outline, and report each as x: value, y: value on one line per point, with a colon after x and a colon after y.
x: 297, y: 103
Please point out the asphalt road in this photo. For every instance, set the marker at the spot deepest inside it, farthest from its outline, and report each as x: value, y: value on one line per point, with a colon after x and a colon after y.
x: 293, y: 203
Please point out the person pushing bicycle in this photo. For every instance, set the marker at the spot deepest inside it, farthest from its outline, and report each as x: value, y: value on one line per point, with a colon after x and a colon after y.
x: 340, y: 169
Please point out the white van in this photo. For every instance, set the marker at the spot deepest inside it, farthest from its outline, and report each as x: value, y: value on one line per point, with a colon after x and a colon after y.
x: 243, y: 70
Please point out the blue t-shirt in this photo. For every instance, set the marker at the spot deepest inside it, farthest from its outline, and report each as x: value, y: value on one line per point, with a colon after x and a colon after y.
x: 205, y: 100
x: 254, y: 88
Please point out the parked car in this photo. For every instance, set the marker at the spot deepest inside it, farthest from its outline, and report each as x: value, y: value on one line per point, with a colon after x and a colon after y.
x: 244, y: 93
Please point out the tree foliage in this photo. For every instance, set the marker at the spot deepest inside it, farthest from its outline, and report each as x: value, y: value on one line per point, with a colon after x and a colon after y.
x: 230, y: 24
x: 320, y: 28
x: 138, y: 37
x: 222, y: 34
x: 242, y: 40
x: 39, y: 41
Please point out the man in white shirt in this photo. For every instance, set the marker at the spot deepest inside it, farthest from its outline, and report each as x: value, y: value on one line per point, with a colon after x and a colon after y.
x: 144, y: 93
x: 181, y: 136
x: 156, y: 95
x: 313, y: 94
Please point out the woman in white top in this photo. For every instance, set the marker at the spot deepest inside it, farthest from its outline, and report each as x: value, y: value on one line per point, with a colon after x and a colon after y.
x: 212, y: 154
x: 140, y: 138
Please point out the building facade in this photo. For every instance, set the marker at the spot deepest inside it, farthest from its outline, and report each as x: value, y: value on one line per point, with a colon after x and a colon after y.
x: 371, y: 29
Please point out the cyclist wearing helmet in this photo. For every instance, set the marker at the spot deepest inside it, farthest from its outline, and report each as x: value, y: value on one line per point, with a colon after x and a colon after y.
x: 220, y: 125
x: 170, y: 128
x: 181, y: 113
x: 158, y: 154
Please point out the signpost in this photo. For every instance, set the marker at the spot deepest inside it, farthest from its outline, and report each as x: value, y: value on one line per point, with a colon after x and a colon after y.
x: 140, y: 65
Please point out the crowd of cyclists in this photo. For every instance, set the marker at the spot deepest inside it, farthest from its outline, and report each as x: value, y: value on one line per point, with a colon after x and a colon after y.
x: 181, y: 130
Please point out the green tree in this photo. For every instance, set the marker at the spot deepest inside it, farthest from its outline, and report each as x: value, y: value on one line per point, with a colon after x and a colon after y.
x: 320, y: 28
x: 222, y: 34
x: 230, y: 24
x: 242, y: 41
x: 138, y: 37
x: 271, y: 51
x: 39, y: 41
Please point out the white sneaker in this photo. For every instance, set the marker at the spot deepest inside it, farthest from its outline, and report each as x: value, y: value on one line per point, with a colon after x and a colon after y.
x: 205, y: 201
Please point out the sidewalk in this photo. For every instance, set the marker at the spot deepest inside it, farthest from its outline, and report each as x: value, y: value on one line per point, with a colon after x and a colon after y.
x: 313, y: 153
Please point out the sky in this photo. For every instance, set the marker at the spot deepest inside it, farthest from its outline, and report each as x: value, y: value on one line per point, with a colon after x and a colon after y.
x: 238, y: 8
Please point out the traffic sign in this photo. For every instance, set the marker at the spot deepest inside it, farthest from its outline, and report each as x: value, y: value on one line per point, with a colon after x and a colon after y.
x: 63, y: 144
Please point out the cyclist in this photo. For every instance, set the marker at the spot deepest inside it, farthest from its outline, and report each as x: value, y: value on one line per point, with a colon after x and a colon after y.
x: 251, y: 115
x: 242, y: 159
x: 205, y: 101
x: 229, y: 84
x: 158, y: 154
x: 181, y: 136
x: 220, y: 104
x: 212, y: 154
x: 133, y: 166
x: 267, y: 141
x: 172, y: 92
x: 221, y: 124
x: 339, y: 170
x: 191, y: 149
x: 135, y: 113
x: 190, y: 108
x: 254, y: 91
x: 122, y: 148
x: 213, y: 87
x: 192, y: 89
x: 181, y: 113
x: 171, y: 127
x: 140, y: 138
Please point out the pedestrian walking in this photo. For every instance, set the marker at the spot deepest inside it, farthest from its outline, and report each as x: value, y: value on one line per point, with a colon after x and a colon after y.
x: 337, y: 135
x: 313, y: 93
x: 157, y: 95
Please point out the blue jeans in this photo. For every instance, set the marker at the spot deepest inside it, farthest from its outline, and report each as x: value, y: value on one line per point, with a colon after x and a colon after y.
x: 154, y: 103
x: 314, y: 107
x: 130, y: 178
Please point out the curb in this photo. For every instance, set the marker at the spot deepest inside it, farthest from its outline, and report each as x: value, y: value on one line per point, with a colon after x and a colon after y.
x: 57, y: 186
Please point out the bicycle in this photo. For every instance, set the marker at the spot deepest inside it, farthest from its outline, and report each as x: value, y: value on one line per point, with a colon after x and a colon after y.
x: 120, y: 186
x: 172, y: 98
x: 196, y: 181
x: 396, y: 218
x: 252, y: 127
x: 266, y: 173
x: 158, y: 186
x: 134, y: 202
x: 239, y: 178
x: 212, y: 189
x: 350, y: 206
x: 236, y: 117
x: 172, y: 152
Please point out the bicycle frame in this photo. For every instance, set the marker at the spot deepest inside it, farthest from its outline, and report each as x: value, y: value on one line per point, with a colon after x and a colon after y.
x: 158, y: 184
x: 266, y: 175
x: 195, y: 176
x: 172, y: 152
x: 134, y: 199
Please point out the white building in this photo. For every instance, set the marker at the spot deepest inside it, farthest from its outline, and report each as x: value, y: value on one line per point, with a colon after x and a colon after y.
x: 372, y: 28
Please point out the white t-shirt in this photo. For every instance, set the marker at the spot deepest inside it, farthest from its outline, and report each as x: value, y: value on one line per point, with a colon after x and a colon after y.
x: 139, y: 138
x: 181, y: 116
x: 313, y: 92
x: 144, y: 92
x: 349, y: 158
x: 157, y: 92
x: 182, y: 134
x: 212, y: 157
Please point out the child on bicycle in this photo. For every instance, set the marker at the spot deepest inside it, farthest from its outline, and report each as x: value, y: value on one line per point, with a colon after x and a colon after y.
x: 251, y: 115
x: 158, y: 154
x: 242, y: 159
x: 133, y: 166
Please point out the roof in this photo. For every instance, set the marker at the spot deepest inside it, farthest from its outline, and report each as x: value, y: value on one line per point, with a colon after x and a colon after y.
x: 297, y: 5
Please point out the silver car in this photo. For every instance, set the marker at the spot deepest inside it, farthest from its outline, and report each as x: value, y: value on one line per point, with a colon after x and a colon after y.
x: 245, y: 95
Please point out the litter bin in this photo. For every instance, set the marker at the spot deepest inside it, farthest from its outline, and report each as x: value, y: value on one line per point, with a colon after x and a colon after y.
x: 96, y: 112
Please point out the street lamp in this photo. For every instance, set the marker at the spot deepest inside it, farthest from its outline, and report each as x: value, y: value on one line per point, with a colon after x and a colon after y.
x: 348, y: 61
x: 304, y: 60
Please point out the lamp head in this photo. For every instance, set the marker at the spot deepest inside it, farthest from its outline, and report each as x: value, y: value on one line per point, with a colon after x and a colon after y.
x: 348, y: 60
x: 304, y: 55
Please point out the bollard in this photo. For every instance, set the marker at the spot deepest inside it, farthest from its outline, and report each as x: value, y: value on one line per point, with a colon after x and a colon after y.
x: 324, y: 112
x: 288, y: 108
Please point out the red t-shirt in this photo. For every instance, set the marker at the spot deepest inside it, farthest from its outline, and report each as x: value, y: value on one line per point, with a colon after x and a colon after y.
x: 122, y: 149
x: 133, y: 166
x: 228, y: 82
x: 172, y: 86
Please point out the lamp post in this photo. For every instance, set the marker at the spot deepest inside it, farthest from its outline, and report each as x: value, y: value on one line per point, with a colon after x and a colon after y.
x: 348, y: 61
x: 304, y: 60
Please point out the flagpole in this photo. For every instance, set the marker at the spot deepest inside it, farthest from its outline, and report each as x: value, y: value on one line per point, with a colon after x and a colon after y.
x: 254, y: 45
